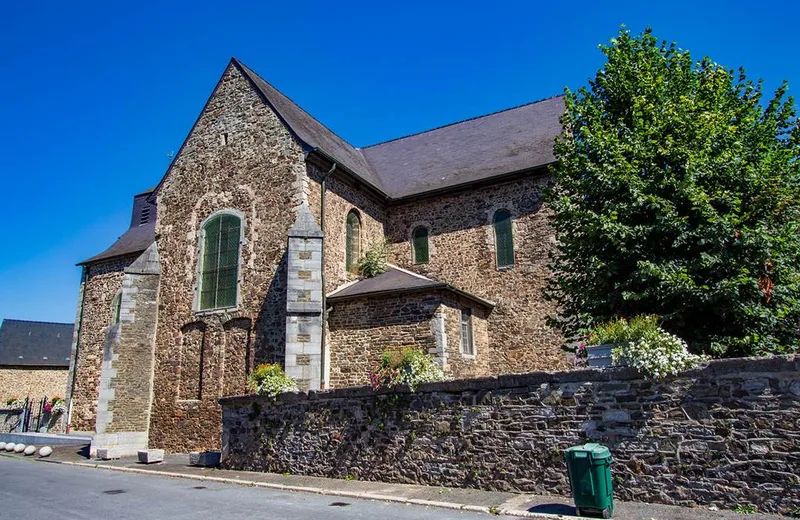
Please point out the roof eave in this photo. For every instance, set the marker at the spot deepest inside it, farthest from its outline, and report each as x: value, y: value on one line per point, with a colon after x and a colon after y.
x: 333, y: 299
x: 320, y: 154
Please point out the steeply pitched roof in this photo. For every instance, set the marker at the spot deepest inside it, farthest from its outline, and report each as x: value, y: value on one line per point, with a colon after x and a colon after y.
x: 513, y: 140
x: 140, y: 234
x: 396, y: 280
x: 310, y: 131
x: 476, y: 149
x: 35, y: 343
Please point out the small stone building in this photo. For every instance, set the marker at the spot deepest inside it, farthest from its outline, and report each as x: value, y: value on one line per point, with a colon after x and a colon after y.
x: 34, y: 359
x: 247, y: 251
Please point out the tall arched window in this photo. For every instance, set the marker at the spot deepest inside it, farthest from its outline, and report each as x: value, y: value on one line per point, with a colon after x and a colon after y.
x: 116, y: 305
x: 219, y: 271
x: 419, y: 243
x: 353, y: 243
x: 503, y: 238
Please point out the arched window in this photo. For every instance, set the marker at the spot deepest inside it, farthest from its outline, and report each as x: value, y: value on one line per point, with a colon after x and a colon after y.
x: 116, y: 304
x: 419, y: 244
x: 353, y: 244
x: 503, y: 238
x: 219, y: 270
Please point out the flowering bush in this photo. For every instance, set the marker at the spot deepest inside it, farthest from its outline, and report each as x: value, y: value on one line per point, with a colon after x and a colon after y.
x: 581, y: 356
x: 411, y: 367
x: 58, y: 406
x: 657, y: 354
x: 375, y: 260
x: 270, y: 379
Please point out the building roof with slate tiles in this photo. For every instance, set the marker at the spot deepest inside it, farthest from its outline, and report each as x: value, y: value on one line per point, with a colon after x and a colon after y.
x: 396, y: 281
x: 139, y: 235
x: 480, y: 149
x: 35, y: 343
x: 509, y: 141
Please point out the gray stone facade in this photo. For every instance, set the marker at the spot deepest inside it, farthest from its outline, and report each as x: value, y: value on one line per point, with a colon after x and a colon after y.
x: 722, y: 435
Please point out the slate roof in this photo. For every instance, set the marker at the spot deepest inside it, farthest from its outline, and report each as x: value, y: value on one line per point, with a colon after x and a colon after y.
x: 509, y: 141
x: 140, y: 234
x: 35, y: 343
x: 394, y: 281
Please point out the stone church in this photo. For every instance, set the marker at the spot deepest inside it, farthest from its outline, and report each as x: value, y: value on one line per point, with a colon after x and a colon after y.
x: 247, y: 251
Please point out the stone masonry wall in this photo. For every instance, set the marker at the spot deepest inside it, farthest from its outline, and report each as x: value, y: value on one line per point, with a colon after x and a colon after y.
x: 103, y: 282
x: 36, y: 382
x: 462, y: 253
x: 239, y: 157
x: 722, y: 435
x: 340, y: 198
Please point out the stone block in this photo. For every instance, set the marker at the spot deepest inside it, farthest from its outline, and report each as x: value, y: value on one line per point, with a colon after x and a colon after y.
x: 29, y: 450
x: 205, y: 459
x: 150, y: 456
x: 46, y: 451
x: 108, y: 453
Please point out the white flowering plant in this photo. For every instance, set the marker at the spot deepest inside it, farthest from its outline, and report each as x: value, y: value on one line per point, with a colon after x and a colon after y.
x: 657, y: 354
x: 270, y: 379
x: 410, y: 367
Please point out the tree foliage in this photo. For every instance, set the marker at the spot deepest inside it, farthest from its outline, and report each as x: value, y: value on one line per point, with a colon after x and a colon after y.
x: 677, y: 193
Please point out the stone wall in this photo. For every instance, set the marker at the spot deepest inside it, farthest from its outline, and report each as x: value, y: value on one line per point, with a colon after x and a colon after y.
x: 462, y: 253
x: 340, y: 198
x: 102, y: 283
x: 36, y: 382
x: 238, y: 157
x: 360, y: 330
x: 725, y: 434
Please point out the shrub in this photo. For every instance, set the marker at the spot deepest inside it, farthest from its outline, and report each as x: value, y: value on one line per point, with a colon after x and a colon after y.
x: 270, y: 379
x: 621, y: 330
x: 656, y: 354
x: 375, y: 260
x: 411, y: 367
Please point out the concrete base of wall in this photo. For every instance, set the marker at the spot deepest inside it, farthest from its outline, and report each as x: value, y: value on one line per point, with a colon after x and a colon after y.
x: 128, y: 443
x: 44, y: 439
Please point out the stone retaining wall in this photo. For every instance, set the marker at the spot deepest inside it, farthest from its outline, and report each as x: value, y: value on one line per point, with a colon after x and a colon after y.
x: 726, y: 434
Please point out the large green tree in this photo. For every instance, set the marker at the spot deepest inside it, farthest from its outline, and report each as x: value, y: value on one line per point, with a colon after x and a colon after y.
x: 677, y: 193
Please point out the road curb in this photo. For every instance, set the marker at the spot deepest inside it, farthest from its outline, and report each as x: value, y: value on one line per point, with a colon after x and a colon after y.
x: 494, y: 510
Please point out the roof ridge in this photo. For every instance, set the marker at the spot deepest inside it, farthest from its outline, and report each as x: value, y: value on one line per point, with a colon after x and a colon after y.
x: 295, y: 103
x: 461, y: 121
x: 38, y: 321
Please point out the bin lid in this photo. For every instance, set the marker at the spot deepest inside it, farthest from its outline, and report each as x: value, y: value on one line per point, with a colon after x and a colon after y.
x: 593, y: 449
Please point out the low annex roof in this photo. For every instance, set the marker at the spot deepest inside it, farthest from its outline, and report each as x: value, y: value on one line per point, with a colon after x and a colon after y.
x: 35, y: 343
x: 394, y: 281
x: 510, y: 141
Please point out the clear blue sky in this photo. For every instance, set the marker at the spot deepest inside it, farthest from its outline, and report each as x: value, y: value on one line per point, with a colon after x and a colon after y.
x: 94, y: 95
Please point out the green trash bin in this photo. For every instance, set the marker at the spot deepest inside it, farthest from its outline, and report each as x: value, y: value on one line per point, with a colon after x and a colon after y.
x: 589, y: 468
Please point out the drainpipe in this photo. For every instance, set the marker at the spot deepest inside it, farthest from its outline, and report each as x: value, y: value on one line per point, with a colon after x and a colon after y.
x: 323, y: 189
x: 84, y: 279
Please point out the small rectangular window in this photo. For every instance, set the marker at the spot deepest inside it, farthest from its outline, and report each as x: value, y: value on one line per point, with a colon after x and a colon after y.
x: 467, y: 345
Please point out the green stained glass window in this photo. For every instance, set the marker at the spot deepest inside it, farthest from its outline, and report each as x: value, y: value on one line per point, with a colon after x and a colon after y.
x: 420, y: 245
x: 116, y: 306
x: 503, y: 238
x: 353, y: 241
x: 220, y: 262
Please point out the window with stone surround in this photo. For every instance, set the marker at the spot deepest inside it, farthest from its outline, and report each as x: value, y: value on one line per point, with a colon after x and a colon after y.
x: 219, y: 256
x: 116, y: 305
x: 419, y: 245
x: 467, y: 343
x: 503, y: 238
x: 353, y: 241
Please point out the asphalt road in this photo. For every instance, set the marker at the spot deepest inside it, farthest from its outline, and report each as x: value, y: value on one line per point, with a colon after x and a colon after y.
x: 37, y: 491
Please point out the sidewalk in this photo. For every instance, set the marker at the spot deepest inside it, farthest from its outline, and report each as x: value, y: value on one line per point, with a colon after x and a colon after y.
x: 495, y: 502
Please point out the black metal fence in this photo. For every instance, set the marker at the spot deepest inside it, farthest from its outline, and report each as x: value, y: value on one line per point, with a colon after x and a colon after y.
x: 31, y: 417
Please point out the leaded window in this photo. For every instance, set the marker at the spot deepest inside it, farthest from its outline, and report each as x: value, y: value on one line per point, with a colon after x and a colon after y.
x: 353, y: 241
x: 467, y: 344
x: 503, y: 238
x: 220, y: 262
x: 116, y: 306
x: 420, y: 245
